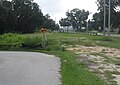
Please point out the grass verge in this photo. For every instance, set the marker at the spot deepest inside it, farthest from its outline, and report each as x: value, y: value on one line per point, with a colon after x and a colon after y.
x: 74, y: 73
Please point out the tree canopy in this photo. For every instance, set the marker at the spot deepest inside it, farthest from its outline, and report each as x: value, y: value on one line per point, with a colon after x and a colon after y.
x: 76, y: 18
x: 65, y: 22
x: 50, y: 23
x: 22, y: 16
x: 98, y: 18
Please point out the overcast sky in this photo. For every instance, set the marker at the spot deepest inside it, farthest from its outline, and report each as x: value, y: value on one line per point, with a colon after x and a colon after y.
x: 58, y: 8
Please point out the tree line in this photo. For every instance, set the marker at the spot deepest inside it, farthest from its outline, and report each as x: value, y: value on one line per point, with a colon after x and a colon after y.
x: 79, y: 18
x: 76, y: 18
x: 98, y: 18
x: 23, y: 16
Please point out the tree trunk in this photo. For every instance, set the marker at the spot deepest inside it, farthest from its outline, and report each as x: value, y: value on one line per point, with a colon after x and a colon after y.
x: 1, y: 28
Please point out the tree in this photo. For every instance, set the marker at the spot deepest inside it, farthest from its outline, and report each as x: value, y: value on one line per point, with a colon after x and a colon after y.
x: 115, y: 11
x: 114, y: 4
x: 50, y: 23
x: 97, y: 21
x: 22, y: 16
x: 5, y: 7
x: 64, y: 22
x: 77, y: 18
x: 28, y: 15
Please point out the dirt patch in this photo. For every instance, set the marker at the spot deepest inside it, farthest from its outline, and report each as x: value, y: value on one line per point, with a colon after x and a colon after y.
x: 108, y: 71
x: 117, y: 78
x: 96, y: 49
x: 99, y: 66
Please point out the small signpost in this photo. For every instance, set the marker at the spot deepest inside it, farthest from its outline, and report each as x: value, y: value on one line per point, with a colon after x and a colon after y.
x: 44, y: 39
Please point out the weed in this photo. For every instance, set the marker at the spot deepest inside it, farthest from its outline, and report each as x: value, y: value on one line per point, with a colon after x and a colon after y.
x: 32, y: 42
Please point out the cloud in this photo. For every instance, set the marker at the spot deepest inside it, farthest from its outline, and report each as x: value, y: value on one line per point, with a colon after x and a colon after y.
x: 81, y: 4
x: 49, y: 6
x: 58, y: 8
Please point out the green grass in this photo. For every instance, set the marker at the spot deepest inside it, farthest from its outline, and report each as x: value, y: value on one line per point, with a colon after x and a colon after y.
x: 11, y: 39
x: 32, y: 41
x: 69, y: 39
x: 87, y: 40
x: 112, y: 60
x: 108, y: 74
x: 73, y: 72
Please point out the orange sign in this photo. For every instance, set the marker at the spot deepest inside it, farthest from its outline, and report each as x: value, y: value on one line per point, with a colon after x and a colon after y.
x: 43, y: 30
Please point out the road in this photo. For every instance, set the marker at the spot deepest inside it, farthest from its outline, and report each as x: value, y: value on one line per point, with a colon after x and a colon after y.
x: 29, y: 68
x: 115, y: 35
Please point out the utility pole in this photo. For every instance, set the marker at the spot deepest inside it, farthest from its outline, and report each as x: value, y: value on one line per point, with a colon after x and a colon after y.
x: 104, y: 25
x: 109, y: 14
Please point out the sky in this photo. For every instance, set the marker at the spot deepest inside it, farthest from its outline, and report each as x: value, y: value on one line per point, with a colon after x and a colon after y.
x: 57, y: 8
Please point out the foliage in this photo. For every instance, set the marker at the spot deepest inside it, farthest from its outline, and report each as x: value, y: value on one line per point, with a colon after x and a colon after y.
x: 26, y: 41
x: 11, y: 39
x: 50, y: 23
x: 32, y: 42
x: 98, y: 18
x: 23, y: 16
x: 104, y: 39
x: 65, y: 22
x: 76, y: 17
x: 96, y: 22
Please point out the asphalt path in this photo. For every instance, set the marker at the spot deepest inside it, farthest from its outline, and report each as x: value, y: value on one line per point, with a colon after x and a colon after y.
x: 115, y: 35
x: 29, y: 68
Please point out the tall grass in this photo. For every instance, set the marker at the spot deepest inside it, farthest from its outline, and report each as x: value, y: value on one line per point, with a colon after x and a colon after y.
x: 32, y: 41
x: 11, y: 38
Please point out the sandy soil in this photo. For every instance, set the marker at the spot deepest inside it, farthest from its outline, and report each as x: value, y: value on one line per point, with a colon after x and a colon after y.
x: 107, y: 51
x: 98, y: 63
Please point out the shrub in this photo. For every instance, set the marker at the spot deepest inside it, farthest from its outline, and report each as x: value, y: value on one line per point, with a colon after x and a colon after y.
x: 32, y: 42
x: 54, y: 48
x: 10, y: 38
x: 104, y: 38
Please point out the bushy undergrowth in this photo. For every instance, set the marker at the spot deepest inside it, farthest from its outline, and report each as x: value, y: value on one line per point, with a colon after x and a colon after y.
x: 32, y: 42
x: 20, y: 40
x: 104, y: 38
x: 11, y: 38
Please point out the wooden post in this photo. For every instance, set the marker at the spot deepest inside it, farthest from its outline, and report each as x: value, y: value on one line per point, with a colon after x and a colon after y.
x: 44, y: 39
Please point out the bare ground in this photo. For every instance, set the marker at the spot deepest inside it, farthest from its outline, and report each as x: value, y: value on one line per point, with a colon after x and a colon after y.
x: 103, y: 61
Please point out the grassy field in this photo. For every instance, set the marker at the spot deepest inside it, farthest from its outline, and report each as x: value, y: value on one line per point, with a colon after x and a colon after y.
x: 73, y: 72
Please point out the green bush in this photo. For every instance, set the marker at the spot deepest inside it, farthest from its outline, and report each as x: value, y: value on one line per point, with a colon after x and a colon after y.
x: 104, y: 38
x: 4, y: 48
x: 52, y: 42
x: 55, y: 48
x: 32, y: 42
x: 10, y: 38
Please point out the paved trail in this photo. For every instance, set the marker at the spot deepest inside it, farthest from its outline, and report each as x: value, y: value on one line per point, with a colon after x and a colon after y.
x: 29, y: 68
